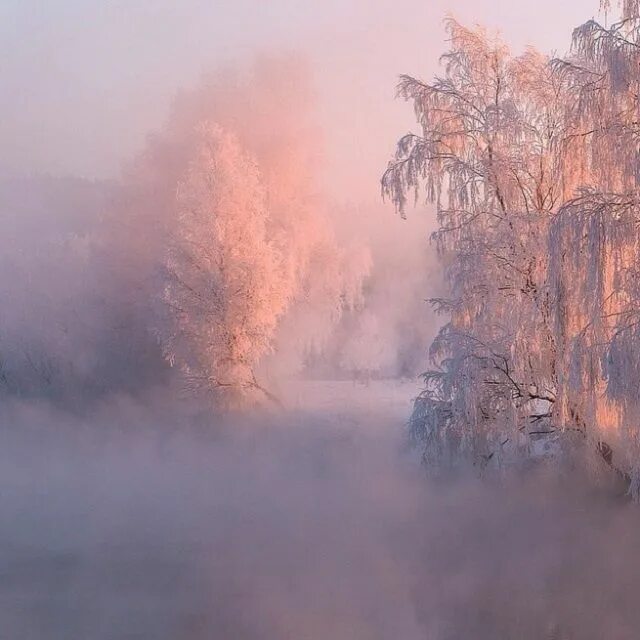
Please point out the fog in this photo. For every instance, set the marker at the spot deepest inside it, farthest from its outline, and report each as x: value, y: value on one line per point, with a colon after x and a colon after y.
x: 84, y: 82
x: 155, y: 521
x: 131, y: 509
x: 85, y: 260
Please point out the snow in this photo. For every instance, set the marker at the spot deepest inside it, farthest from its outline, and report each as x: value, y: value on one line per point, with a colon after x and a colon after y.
x: 390, y: 399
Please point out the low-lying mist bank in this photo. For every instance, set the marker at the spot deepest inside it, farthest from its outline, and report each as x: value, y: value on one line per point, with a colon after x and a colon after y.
x: 218, y: 261
x: 151, y: 520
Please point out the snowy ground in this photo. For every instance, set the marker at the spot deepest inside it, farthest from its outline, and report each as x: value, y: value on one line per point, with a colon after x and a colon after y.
x: 391, y: 399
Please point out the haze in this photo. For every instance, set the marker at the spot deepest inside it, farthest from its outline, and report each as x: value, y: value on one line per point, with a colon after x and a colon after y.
x: 85, y: 82
x: 214, y: 330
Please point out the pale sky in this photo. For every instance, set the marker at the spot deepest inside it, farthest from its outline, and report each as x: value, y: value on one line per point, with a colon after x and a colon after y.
x: 83, y: 81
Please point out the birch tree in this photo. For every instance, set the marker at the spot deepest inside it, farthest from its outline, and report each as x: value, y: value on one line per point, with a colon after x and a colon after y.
x: 226, y: 287
x: 488, y: 157
x: 534, y: 167
x: 227, y: 237
x: 595, y: 241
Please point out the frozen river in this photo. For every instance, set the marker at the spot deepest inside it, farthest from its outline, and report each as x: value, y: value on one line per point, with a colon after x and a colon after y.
x: 146, y: 522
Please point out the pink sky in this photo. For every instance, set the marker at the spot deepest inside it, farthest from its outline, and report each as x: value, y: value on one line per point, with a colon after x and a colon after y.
x: 84, y: 81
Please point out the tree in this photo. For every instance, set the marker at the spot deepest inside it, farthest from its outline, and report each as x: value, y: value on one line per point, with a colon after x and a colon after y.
x: 222, y: 221
x: 488, y: 158
x: 595, y: 240
x: 369, y: 350
x: 534, y: 166
x: 226, y: 286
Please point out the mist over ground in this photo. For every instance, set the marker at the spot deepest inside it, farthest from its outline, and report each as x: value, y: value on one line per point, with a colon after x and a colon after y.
x: 148, y: 520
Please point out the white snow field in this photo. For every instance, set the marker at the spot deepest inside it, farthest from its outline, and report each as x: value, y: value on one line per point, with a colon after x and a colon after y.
x: 355, y: 401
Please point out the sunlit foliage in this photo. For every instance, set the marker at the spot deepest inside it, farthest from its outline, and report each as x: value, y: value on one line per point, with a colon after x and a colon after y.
x: 533, y: 166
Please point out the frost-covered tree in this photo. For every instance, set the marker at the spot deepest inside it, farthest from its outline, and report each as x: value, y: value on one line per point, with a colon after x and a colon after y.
x: 226, y: 286
x: 255, y: 275
x: 488, y: 157
x: 370, y: 350
x: 534, y: 167
x: 595, y: 241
